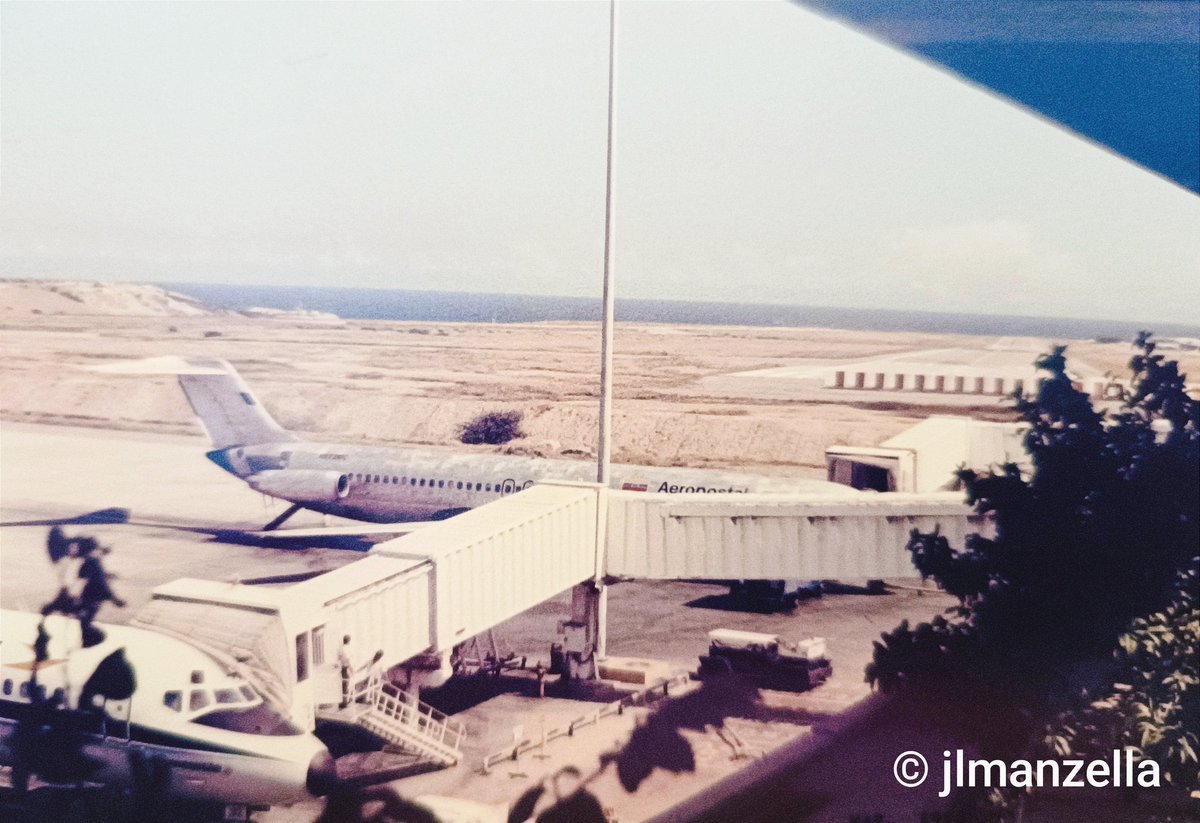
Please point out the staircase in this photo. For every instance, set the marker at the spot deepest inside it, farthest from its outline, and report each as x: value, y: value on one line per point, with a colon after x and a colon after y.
x: 403, y: 720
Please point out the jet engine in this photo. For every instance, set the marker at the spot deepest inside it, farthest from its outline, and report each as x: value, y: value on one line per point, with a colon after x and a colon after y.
x: 301, y: 485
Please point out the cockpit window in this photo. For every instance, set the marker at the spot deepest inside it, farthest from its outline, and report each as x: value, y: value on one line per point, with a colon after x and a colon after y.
x: 198, y: 700
x: 173, y: 701
x: 228, y: 696
x: 249, y: 693
x: 258, y: 719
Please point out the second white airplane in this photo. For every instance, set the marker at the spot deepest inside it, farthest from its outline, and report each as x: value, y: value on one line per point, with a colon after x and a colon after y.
x: 382, y: 485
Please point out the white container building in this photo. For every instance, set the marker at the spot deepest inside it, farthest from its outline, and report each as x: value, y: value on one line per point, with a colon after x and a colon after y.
x: 925, y: 458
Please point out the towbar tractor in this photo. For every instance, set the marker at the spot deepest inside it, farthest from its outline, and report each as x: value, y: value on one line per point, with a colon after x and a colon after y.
x: 768, y: 660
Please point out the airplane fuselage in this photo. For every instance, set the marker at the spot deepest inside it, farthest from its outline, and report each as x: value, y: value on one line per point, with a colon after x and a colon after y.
x: 383, y: 485
x: 216, y: 737
x: 391, y: 485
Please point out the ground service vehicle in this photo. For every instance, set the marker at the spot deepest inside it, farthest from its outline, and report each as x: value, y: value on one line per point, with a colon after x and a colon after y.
x: 766, y: 659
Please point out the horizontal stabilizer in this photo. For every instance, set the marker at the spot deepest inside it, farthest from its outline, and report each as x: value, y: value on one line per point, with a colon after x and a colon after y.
x: 366, y: 530
x: 162, y: 365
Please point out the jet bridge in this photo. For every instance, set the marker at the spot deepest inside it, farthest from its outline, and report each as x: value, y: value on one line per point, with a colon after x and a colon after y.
x: 773, y: 537
x: 412, y: 600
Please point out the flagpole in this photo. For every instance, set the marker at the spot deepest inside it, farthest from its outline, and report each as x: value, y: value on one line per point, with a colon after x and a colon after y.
x: 604, y: 446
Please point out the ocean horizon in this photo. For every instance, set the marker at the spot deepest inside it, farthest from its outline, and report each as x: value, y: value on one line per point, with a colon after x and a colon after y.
x: 480, y: 307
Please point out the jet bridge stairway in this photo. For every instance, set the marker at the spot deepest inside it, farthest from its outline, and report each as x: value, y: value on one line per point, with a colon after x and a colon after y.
x: 402, y: 720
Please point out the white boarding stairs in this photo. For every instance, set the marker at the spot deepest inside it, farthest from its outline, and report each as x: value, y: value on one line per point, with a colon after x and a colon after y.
x: 402, y: 720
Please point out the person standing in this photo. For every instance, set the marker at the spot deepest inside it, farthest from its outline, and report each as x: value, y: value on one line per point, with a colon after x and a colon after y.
x: 347, y: 669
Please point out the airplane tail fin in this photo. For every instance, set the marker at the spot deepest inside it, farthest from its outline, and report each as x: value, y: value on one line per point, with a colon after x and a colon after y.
x: 219, y: 397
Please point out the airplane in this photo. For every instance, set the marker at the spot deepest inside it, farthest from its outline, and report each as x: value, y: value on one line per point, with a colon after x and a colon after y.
x: 395, y: 486
x: 223, y: 743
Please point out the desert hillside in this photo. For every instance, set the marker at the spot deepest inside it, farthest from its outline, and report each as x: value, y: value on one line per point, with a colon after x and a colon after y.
x: 70, y: 297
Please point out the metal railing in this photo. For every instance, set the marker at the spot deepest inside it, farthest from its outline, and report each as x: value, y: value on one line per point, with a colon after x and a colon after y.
x: 422, y: 723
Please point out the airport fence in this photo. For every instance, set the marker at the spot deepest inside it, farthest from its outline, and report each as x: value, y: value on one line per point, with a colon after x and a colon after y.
x: 643, y: 697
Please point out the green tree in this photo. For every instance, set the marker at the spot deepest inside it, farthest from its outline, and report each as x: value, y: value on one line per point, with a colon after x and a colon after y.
x: 1094, y: 538
x: 1154, y: 705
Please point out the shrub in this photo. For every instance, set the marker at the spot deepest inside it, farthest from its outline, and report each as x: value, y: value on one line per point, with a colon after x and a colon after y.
x: 493, y: 428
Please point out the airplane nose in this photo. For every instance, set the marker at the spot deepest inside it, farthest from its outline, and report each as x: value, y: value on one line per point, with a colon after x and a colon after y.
x: 322, y: 774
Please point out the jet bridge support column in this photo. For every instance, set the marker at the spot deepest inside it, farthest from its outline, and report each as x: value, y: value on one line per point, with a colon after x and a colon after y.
x: 601, y: 621
x: 583, y: 636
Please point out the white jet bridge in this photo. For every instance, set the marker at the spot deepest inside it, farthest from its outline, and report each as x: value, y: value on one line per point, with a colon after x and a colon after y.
x: 413, y: 600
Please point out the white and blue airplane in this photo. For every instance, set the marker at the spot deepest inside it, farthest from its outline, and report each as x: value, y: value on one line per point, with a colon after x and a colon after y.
x: 387, y: 485
x: 223, y: 743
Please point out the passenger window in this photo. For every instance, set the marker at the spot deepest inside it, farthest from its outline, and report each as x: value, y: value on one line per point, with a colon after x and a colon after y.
x: 412, y: 481
x: 478, y: 487
x: 422, y: 481
x: 460, y: 484
x: 173, y: 701
x: 25, y: 690
x: 441, y: 484
x: 198, y: 700
x: 8, y: 685
x: 488, y: 487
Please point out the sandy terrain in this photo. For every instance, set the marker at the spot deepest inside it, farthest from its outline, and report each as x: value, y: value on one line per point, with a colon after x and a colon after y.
x: 416, y: 383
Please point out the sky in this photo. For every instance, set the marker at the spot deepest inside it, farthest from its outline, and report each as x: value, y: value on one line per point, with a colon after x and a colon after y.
x: 764, y: 153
